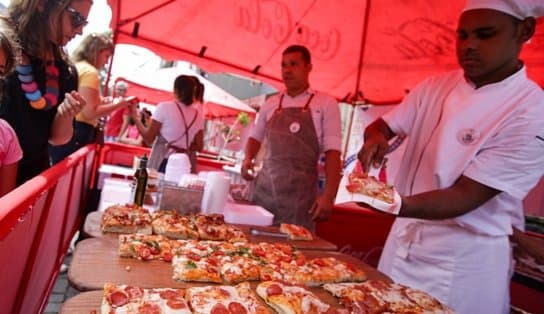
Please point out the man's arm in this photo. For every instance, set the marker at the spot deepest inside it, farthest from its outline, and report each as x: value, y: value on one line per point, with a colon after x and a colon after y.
x: 323, y: 205
x: 462, y: 197
x: 252, y: 148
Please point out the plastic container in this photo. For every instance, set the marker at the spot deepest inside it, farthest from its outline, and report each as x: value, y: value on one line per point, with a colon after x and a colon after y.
x: 177, y: 166
x: 247, y: 215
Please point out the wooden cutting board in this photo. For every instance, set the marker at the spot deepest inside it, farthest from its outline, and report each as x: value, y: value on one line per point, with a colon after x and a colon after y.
x: 91, y: 228
x: 96, y: 261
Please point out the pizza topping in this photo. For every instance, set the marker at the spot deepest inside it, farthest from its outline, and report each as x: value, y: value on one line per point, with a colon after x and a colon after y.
x: 219, y: 308
x: 149, y: 308
x: 237, y: 307
x: 118, y: 298
x: 190, y: 265
x: 274, y: 289
x: 176, y: 304
x: 134, y: 292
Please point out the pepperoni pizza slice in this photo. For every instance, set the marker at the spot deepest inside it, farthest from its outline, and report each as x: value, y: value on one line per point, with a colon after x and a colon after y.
x: 360, y: 182
x: 237, y: 299
x: 375, y: 296
x: 296, y: 232
x: 288, y: 299
x: 146, y: 247
x: 129, y: 299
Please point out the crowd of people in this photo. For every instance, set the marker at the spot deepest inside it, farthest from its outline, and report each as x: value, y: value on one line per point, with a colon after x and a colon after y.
x: 474, y: 139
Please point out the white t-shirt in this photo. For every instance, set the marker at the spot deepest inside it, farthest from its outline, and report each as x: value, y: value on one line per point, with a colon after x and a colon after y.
x: 325, y: 115
x: 493, y: 135
x: 172, y: 126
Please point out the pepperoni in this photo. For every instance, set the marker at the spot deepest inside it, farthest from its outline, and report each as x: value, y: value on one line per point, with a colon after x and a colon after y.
x: 176, y: 304
x: 258, y: 251
x: 219, y: 309
x: 145, y: 253
x: 148, y: 308
x: 236, y: 307
x: 193, y: 256
x: 212, y: 261
x: 169, y: 294
x: 167, y: 257
x: 301, y: 260
x: 274, y: 289
x: 118, y: 298
x: 319, y: 262
x: 134, y: 292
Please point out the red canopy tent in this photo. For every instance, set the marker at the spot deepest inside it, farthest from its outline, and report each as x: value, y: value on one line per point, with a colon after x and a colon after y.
x: 373, y: 50
x: 153, y: 96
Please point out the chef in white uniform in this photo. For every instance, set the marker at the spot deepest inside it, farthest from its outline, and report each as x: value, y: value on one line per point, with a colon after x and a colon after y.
x: 475, y: 148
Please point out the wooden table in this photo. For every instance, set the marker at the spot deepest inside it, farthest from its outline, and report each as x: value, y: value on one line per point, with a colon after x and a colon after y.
x: 91, y: 228
x: 96, y: 261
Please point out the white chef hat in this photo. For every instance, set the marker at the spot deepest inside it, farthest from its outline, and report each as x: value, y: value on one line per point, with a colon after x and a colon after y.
x: 520, y: 9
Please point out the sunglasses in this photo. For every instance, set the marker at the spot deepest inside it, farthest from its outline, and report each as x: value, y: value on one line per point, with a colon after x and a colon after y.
x: 76, y: 18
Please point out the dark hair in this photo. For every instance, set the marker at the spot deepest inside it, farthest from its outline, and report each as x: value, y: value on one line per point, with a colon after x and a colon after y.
x: 199, y: 90
x: 34, y: 19
x: 184, y: 89
x: 8, y: 44
x: 299, y: 48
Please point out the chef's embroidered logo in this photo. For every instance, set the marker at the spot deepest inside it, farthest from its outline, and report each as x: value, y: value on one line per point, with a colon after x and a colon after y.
x: 468, y: 136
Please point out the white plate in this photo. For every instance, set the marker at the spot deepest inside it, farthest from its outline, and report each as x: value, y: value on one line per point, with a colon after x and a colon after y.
x: 344, y: 196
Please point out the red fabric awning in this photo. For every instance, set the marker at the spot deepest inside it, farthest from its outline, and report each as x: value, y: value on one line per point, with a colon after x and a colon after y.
x: 375, y: 49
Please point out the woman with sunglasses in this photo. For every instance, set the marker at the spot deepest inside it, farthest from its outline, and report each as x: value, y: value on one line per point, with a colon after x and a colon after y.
x: 40, y: 98
x: 93, y: 53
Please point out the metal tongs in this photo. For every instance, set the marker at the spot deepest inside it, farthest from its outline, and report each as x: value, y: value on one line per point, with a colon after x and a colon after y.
x: 259, y: 232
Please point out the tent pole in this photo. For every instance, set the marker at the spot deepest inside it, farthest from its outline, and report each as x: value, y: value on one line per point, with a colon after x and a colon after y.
x: 355, y: 100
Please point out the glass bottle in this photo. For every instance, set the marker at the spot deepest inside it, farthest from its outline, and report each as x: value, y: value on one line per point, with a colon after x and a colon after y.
x: 140, y: 180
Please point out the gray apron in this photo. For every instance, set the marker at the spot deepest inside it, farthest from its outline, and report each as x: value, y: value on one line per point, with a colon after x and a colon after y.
x: 287, y: 183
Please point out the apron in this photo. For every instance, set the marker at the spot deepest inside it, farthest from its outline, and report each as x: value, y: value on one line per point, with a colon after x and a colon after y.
x: 467, y: 271
x: 287, y: 183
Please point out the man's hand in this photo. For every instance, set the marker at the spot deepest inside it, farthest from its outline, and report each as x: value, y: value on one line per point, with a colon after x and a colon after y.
x: 72, y: 104
x: 373, y: 151
x: 247, y: 169
x: 322, y: 208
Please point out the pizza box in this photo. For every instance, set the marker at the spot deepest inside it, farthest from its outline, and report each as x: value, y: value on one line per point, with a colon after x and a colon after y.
x: 247, y: 214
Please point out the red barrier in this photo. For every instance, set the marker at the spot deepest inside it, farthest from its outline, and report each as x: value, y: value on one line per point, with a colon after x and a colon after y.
x: 37, y: 222
x: 357, y: 231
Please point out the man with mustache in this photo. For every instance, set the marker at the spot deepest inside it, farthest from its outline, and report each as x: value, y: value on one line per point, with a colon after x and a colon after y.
x: 297, y: 125
x: 475, y: 148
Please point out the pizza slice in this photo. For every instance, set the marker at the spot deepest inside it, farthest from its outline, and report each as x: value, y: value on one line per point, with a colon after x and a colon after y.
x: 128, y: 218
x: 360, y: 182
x: 196, y: 268
x: 129, y: 299
x: 235, y: 235
x: 356, y: 297
x: 210, y: 227
x: 296, y: 232
x: 237, y: 299
x: 173, y: 225
x: 288, y: 299
x: 236, y: 268
x: 146, y: 247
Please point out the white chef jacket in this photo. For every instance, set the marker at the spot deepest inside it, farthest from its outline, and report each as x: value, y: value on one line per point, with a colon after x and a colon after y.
x: 492, y: 135
x: 325, y: 115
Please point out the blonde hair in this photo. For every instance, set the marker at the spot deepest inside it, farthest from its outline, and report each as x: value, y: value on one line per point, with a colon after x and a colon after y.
x: 90, y: 48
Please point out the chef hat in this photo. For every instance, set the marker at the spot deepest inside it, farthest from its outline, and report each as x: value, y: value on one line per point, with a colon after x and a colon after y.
x: 520, y: 9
